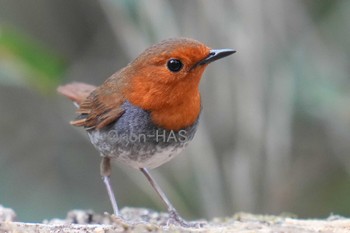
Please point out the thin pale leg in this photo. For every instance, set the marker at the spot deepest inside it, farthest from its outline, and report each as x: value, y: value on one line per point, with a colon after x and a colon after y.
x: 173, y: 215
x: 106, y: 171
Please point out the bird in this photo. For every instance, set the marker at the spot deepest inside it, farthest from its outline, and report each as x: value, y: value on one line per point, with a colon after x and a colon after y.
x: 147, y: 112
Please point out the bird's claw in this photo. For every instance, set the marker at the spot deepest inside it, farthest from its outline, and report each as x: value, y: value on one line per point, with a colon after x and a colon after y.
x: 119, y: 220
x: 176, y: 219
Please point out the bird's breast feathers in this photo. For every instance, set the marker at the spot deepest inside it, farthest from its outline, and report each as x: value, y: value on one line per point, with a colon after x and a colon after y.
x: 134, y: 139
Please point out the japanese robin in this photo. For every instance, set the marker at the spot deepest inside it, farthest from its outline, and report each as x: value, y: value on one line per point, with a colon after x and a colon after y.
x: 147, y: 112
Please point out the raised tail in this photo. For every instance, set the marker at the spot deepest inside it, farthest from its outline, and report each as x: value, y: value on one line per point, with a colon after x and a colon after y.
x: 77, y: 92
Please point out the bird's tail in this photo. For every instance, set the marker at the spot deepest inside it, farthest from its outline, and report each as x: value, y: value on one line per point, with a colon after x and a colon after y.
x: 77, y: 92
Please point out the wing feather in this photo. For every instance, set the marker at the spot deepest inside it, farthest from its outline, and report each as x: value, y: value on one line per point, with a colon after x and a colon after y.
x: 98, y: 106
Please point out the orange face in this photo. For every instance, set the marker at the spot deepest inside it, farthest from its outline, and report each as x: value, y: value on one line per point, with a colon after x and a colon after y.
x: 165, y: 82
x: 157, y: 61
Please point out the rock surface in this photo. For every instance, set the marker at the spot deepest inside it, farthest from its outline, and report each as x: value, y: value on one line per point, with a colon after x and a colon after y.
x: 144, y: 220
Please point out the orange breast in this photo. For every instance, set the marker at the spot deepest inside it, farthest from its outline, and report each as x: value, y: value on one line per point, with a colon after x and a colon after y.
x: 179, y: 116
x: 173, y: 106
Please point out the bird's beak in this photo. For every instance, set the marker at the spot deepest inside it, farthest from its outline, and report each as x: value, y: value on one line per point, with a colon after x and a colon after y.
x: 214, y: 55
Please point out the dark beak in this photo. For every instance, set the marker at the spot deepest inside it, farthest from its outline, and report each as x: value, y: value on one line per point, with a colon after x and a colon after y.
x: 214, y: 55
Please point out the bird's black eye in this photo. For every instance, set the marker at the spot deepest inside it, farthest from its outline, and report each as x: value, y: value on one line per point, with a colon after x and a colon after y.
x: 174, y: 65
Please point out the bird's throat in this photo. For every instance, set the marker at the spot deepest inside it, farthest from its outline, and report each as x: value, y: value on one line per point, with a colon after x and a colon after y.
x: 178, y: 116
x: 171, y: 110
x: 173, y: 106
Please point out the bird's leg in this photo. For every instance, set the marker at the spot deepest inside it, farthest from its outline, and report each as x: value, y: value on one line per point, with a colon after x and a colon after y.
x: 106, y: 173
x: 173, y: 215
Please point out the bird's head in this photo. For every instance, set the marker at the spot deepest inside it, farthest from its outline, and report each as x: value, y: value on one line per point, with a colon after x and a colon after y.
x: 164, y: 80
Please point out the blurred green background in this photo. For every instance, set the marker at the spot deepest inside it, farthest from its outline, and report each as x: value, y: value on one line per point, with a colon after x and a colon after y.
x: 275, y: 130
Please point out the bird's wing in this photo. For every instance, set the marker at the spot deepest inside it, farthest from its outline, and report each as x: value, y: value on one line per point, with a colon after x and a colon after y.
x: 98, y: 106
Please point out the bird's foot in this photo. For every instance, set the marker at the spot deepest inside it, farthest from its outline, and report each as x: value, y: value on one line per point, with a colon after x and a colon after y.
x: 119, y: 220
x: 176, y: 219
x: 127, y: 223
